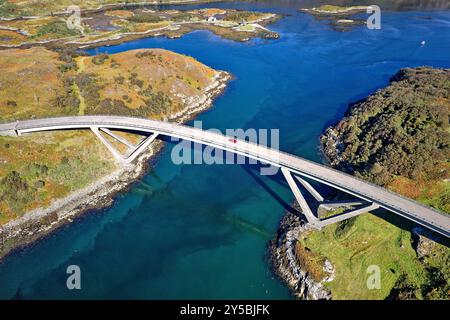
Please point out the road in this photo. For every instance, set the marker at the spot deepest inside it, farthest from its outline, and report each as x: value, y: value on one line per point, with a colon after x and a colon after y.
x: 395, y: 203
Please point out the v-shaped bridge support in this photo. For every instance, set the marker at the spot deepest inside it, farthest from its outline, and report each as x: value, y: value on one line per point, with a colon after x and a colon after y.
x: 306, y: 210
x: 313, y: 219
x: 133, y: 151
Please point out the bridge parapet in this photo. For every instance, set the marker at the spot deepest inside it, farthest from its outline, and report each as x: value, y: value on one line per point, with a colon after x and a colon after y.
x: 297, y: 167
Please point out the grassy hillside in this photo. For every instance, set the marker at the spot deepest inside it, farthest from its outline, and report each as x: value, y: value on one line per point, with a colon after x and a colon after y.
x: 369, y: 240
x: 398, y: 137
x: 37, y: 82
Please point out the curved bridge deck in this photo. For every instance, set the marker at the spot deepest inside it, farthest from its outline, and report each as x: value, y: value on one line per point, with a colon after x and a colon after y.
x: 290, y: 164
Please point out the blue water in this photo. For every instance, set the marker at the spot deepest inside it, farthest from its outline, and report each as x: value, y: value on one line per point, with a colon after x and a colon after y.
x: 203, y: 230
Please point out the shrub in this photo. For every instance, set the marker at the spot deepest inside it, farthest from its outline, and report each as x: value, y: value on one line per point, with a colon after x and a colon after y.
x: 238, y: 16
x: 114, y: 64
x: 135, y: 81
x: 39, y: 184
x: 89, y: 87
x: 8, y: 9
x: 183, y: 17
x: 15, y: 190
x: 68, y: 66
x: 11, y: 103
x: 119, y: 79
x: 58, y: 28
x: 401, y: 130
x: 143, y: 54
x: 100, y: 59
x: 68, y: 100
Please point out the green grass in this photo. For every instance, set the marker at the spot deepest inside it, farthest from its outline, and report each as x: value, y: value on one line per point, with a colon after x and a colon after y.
x: 7, y: 9
x: 57, y: 29
x: 441, y: 200
x: 330, y: 213
x: 246, y: 28
x: 369, y: 240
x: 328, y: 7
x: 332, y: 8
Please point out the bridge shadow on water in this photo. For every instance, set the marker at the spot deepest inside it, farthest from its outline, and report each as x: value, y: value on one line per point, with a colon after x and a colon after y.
x: 327, y: 192
x: 250, y: 170
x: 281, y: 181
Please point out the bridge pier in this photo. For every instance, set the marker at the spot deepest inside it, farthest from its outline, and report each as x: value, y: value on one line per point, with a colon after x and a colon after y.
x: 310, y: 189
x: 9, y: 130
x: 295, y: 169
x: 9, y: 133
x: 118, y: 138
x: 314, y: 220
x: 141, y: 147
x: 108, y: 144
x: 343, y: 203
x: 133, y: 151
x: 348, y: 215
x: 306, y: 210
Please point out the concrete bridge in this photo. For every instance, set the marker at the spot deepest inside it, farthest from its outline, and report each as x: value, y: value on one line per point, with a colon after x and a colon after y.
x: 295, y: 169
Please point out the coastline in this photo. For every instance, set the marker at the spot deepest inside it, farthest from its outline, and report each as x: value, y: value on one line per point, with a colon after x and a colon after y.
x: 284, y: 261
x: 424, y: 248
x: 38, y: 223
x: 182, y: 29
x: 171, y: 31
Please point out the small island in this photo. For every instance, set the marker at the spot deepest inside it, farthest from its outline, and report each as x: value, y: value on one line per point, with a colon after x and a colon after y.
x: 339, y: 17
x: 398, y: 138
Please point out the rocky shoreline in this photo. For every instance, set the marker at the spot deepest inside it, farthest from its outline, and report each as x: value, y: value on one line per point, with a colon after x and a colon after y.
x: 40, y: 222
x: 367, y: 127
x: 284, y: 261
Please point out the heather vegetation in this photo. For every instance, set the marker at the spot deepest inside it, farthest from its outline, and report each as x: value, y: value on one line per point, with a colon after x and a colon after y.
x: 56, y: 28
x: 39, y: 168
x: 114, y: 26
x: 8, y: 9
x: 398, y: 137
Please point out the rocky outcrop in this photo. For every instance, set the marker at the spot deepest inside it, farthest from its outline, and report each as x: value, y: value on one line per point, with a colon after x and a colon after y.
x: 424, y: 242
x: 196, y: 104
x: 285, y: 261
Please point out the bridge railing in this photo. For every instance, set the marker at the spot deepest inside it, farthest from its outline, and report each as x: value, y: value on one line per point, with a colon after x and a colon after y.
x: 168, y: 130
x: 324, y: 178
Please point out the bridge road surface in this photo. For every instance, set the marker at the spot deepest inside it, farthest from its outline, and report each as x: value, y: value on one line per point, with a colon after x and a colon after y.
x: 410, y: 209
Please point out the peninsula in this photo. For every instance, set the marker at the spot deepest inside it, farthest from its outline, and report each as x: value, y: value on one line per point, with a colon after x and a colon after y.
x: 50, y: 178
x: 398, y: 138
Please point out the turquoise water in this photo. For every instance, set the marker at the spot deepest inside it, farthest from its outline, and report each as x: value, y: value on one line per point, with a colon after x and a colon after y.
x: 202, y: 231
